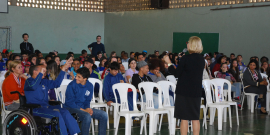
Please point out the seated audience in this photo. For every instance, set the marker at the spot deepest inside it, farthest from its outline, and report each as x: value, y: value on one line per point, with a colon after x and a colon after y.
x: 53, y: 72
x: 78, y: 97
x: 2, y: 63
x: 36, y: 92
x: 75, y: 66
x: 254, y: 83
x: 265, y: 67
x: 7, y: 67
x: 119, y: 60
x: 131, y: 55
x: 106, y: 71
x: 113, y: 54
x: 214, y: 61
x: 234, y: 70
x: 101, y: 65
x: 42, y: 61
x: 26, y: 69
x: 57, y: 60
x: 14, y: 81
x: 140, y: 57
x: 122, y: 69
x: 48, y: 57
x: 125, y: 58
x: 67, y: 72
x: 88, y: 63
x: 235, y: 86
x: 241, y: 65
x: 83, y: 56
x: 99, y: 56
x: 232, y: 56
x: 32, y: 59
x: 156, y: 52
x: 132, y: 69
x: 95, y: 67
x: 142, y: 77
x: 112, y: 78
x: 221, y: 59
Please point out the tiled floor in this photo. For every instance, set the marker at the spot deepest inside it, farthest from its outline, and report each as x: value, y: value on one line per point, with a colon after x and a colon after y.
x: 250, y: 124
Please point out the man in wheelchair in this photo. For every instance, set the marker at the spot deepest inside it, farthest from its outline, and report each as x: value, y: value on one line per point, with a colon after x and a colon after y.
x: 79, y: 94
x: 36, y: 92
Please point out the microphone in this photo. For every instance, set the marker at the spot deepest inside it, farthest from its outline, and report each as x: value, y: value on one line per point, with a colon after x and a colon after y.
x: 182, y: 53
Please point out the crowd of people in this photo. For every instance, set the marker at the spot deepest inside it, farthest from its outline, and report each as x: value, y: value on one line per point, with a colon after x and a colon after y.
x: 36, y: 76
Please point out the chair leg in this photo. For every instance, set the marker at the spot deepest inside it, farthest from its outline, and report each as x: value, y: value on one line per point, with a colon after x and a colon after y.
x: 127, y: 126
x: 236, y: 109
x: 160, y: 122
x: 220, y: 111
x: 145, y: 116
x: 151, y: 123
x: 108, y: 122
x: 115, y: 115
x: 170, y: 122
x: 93, y: 127
x: 225, y: 115
x: 230, y: 116
x: 243, y: 99
x: 204, y: 119
x: 252, y: 103
x: 117, y: 125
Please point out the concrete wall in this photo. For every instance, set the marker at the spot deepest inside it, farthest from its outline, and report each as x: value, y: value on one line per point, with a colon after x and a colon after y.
x: 243, y: 31
x: 53, y: 29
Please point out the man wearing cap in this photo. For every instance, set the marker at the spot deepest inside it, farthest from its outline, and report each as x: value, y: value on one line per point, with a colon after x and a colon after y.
x: 97, y: 47
x: 145, y: 55
x: 88, y: 63
x: 25, y: 46
x: 142, y: 77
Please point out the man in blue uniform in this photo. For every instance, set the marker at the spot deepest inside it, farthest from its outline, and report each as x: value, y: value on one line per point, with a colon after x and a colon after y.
x: 36, y: 92
x: 78, y: 97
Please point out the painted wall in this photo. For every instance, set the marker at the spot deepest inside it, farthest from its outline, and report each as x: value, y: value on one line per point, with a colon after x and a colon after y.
x: 53, y: 29
x: 242, y: 31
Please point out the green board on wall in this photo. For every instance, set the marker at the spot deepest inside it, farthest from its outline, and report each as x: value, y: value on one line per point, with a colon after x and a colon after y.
x: 210, y: 41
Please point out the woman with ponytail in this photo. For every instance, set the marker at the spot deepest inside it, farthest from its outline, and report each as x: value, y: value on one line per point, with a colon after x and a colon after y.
x: 14, y: 81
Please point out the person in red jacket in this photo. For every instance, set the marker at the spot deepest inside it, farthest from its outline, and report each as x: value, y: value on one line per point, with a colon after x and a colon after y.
x: 222, y: 59
x: 14, y: 81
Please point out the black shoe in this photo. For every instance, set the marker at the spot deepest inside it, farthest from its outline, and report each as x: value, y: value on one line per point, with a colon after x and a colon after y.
x: 263, y: 112
x: 260, y: 99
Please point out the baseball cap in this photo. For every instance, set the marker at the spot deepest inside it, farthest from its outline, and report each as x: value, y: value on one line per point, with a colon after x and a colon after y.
x: 27, y: 64
x: 144, y: 51
x: 10, y: 50
x: 63, y: 62
x: 141, y: 64
x: 4, y: 51
x: 89, y: 60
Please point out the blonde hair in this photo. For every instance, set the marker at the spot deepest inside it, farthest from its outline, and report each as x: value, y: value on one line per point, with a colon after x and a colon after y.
x: 195, y: 45
x: 12, y: 64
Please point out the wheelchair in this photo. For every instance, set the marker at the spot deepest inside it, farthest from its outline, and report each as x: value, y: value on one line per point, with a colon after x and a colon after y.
x: 22, y: 121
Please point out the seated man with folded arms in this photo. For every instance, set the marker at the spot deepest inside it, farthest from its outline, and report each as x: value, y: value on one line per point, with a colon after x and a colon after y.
x: 36, y: 92
x: 78, y: 97
x: 112, y: 78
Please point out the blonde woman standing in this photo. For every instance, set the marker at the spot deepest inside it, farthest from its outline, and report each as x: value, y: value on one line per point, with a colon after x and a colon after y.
x: 189, y: 86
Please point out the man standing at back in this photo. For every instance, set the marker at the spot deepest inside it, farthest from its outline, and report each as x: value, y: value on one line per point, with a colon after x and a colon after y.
x: 97, y: 47
x: 25, y: 46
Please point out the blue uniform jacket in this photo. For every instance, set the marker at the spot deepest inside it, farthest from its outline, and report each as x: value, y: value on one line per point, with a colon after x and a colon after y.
x: 36, y: 90
x: 78, y: 96
x: 108, y: 82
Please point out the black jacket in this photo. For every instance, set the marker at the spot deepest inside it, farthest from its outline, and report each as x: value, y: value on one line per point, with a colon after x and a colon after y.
x: 136, y: 79
x: 248, y: 79
x: 26, y: 49
x: 189, y: 73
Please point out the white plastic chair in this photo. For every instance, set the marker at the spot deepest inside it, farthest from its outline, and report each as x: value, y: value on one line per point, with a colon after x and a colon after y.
x: 4, y: 112
x: 149, y: 108
x: 220, y: 82
x: 215, y: 103
x: 268, y: 92
x: 215, y: 73
x: 122, y: 89
x: 250, y: 98
x: 97, y: 63
x: 172, y: 79
x: 100, y: 103
x: 125, y: 64
x: 165, y: 86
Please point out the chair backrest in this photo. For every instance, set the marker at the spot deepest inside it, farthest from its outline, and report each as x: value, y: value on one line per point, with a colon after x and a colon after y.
x: 97, y: 63
x: 62, y: 90
x: 148, y: 91
x: 122, y: 89
x: 94, y: 81
x: 266, y: 77
x: 130, y: 80
x: 218, y: 84
x: 165, y: 86
x: 172, y: 79
x: 125, y: 64
x: 208, y: 89
x: 215, y: 73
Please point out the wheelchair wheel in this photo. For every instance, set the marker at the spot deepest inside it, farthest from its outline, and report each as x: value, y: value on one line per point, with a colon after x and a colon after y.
x: 19, y: 122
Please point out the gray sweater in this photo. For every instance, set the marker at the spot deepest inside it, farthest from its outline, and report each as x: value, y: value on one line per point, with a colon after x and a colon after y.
x: 155, y: 78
